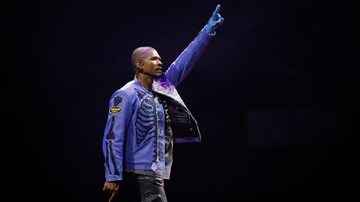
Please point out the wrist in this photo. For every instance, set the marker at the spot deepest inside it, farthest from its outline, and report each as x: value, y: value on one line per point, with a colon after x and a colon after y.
x: 209, y: 30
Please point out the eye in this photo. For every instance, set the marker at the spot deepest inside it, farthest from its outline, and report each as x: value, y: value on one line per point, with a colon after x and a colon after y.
x: 156, y: 58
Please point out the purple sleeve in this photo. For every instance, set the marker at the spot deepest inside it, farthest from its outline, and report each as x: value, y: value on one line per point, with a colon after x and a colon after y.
x: 119, y: 116
x: 183, y: 64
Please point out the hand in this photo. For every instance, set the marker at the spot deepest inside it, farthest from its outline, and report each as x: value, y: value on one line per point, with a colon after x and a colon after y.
x: 214, y: 21
x: 111, y: 187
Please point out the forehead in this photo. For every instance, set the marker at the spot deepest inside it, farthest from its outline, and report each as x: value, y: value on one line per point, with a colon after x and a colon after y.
x: 151, y: 53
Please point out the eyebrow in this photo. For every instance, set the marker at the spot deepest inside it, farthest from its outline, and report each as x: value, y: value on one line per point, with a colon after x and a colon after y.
x: 156, y: 57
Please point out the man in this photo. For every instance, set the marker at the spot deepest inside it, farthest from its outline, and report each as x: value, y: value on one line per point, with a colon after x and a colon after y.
x: 145, y: 117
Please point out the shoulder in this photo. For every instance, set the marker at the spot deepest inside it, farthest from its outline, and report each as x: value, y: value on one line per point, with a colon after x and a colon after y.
x: 125, y: 92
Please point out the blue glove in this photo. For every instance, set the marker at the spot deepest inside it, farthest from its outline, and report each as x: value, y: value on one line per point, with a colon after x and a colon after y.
x: 215, y: 21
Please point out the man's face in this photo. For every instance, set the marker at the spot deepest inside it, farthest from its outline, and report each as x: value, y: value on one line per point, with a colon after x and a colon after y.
x: 152, y: 63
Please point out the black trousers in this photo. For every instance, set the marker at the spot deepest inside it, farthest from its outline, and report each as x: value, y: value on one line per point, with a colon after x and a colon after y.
x: 141, y: 188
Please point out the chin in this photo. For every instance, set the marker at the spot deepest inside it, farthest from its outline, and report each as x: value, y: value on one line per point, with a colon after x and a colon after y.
x: 158, y: 75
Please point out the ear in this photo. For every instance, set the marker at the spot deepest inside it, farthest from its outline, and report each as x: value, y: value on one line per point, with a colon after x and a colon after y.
x: 139, y: 64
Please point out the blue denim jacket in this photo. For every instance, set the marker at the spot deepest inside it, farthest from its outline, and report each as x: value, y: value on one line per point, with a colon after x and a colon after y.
x: 134, y: 136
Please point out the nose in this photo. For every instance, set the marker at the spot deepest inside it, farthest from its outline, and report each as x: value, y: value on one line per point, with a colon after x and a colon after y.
x: 159, y: 62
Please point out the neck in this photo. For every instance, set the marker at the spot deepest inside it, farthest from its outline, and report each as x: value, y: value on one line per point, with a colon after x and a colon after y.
x: 145, y: 80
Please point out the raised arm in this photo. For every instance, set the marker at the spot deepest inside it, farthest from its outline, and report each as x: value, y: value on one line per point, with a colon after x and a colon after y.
x: 183, y: 64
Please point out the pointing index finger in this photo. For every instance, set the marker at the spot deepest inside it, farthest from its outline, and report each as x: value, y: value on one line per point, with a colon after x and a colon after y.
x: 216, y: 10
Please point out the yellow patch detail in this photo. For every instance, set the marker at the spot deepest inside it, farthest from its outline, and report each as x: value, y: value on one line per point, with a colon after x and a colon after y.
x: 115, y: 109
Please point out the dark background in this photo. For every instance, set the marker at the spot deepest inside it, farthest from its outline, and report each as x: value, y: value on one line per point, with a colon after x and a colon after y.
x: 275, y: 95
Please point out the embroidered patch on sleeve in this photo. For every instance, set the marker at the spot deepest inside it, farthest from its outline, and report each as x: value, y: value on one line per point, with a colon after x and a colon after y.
x: 117, y: 100
x: 115, y: 109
